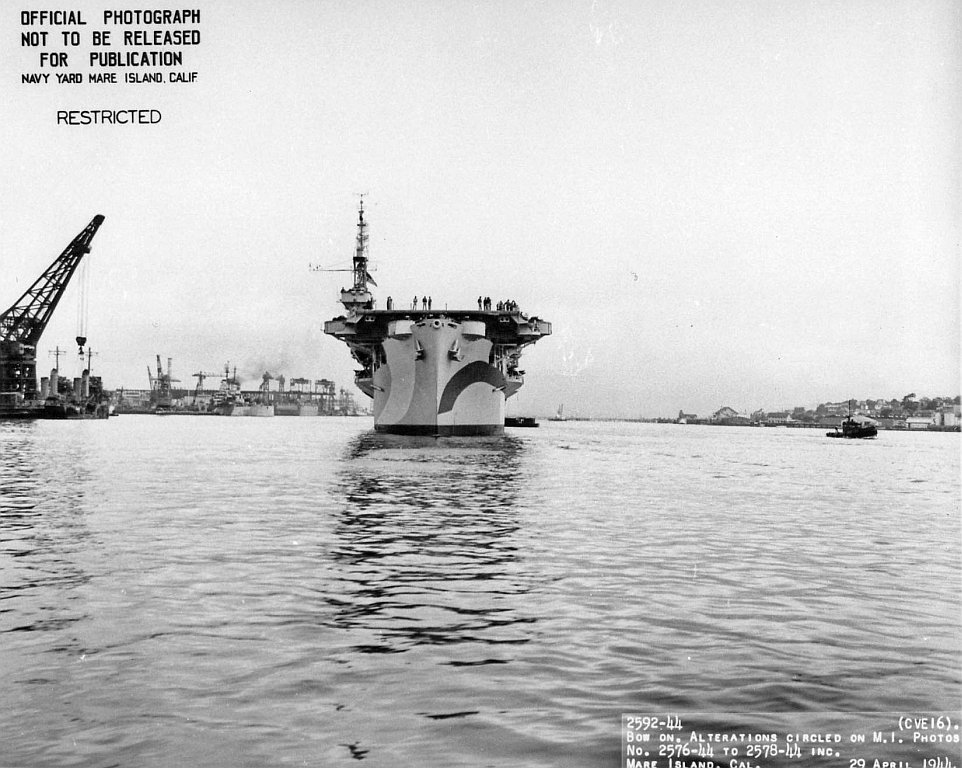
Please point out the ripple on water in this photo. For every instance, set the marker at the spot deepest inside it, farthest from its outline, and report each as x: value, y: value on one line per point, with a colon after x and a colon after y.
x: 203, y: 591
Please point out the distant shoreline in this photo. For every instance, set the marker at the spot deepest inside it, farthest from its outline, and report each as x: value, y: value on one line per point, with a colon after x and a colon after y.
x: 705, y: 423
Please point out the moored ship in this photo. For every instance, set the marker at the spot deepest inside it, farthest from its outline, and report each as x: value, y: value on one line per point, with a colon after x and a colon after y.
x: 228, y: 401
x: 433, y: 372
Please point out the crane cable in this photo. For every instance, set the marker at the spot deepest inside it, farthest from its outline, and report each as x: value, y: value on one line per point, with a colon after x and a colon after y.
x: 82, y: 308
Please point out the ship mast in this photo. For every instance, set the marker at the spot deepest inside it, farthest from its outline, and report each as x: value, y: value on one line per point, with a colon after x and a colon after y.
x: 360, y: 252
x: 359, y: 295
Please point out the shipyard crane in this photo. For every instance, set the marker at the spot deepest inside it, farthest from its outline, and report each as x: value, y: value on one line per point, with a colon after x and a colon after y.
x: 161, y: 389
x: 324, y: 388
x: 266, y: 380
x: 22, y: 325
x: 200, y: 376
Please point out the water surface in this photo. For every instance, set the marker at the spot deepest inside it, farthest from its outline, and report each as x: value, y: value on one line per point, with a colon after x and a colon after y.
x: 302, y: 591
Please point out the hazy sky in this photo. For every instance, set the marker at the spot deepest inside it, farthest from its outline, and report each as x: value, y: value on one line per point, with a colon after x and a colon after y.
x: 753, y: 204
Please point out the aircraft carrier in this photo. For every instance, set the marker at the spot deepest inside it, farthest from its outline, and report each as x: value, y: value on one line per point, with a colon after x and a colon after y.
x: 433, y: 372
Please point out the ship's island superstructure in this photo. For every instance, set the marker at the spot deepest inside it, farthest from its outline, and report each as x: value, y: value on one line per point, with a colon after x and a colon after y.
x: 431, y: 371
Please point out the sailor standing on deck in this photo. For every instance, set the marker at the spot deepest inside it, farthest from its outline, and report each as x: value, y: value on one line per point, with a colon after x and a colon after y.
x: 414, y: 304
x: 480, y: 302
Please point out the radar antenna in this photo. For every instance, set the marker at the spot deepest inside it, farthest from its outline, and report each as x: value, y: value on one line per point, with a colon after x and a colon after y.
x: 361, y: 275
x: 358, y: 296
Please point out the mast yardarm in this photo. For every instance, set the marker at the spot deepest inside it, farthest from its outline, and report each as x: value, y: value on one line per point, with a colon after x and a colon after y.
x: 360, y: 252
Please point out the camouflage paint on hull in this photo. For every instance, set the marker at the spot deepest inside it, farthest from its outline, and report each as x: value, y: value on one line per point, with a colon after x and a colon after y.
x: 438, y: 373
x: 436, y: 379
x: 432, y: 373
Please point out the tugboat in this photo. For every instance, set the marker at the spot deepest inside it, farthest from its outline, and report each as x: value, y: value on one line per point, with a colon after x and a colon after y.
x: 855, y: 427
x: 520, y: 421
x: 436, y: 372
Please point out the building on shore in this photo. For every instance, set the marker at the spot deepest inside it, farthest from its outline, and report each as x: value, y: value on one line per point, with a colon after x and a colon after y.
x: 730, y: 417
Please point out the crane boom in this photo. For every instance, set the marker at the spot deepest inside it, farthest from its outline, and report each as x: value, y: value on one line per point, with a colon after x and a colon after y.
x: 26, y: 320
x: 22, y: 325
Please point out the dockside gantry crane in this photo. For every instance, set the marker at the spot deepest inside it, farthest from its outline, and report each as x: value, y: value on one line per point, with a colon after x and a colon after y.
x: 162, y: 385
x: 22, y: 324
x: 201, y: 376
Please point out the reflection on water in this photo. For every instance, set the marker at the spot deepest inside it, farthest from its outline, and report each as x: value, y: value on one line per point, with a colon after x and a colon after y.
x: 426, y: 545
x: 43, y: 488
x: 244, y: 592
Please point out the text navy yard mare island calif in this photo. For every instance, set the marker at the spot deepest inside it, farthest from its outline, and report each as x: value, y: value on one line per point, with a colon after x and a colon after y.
x: 430, y: 371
